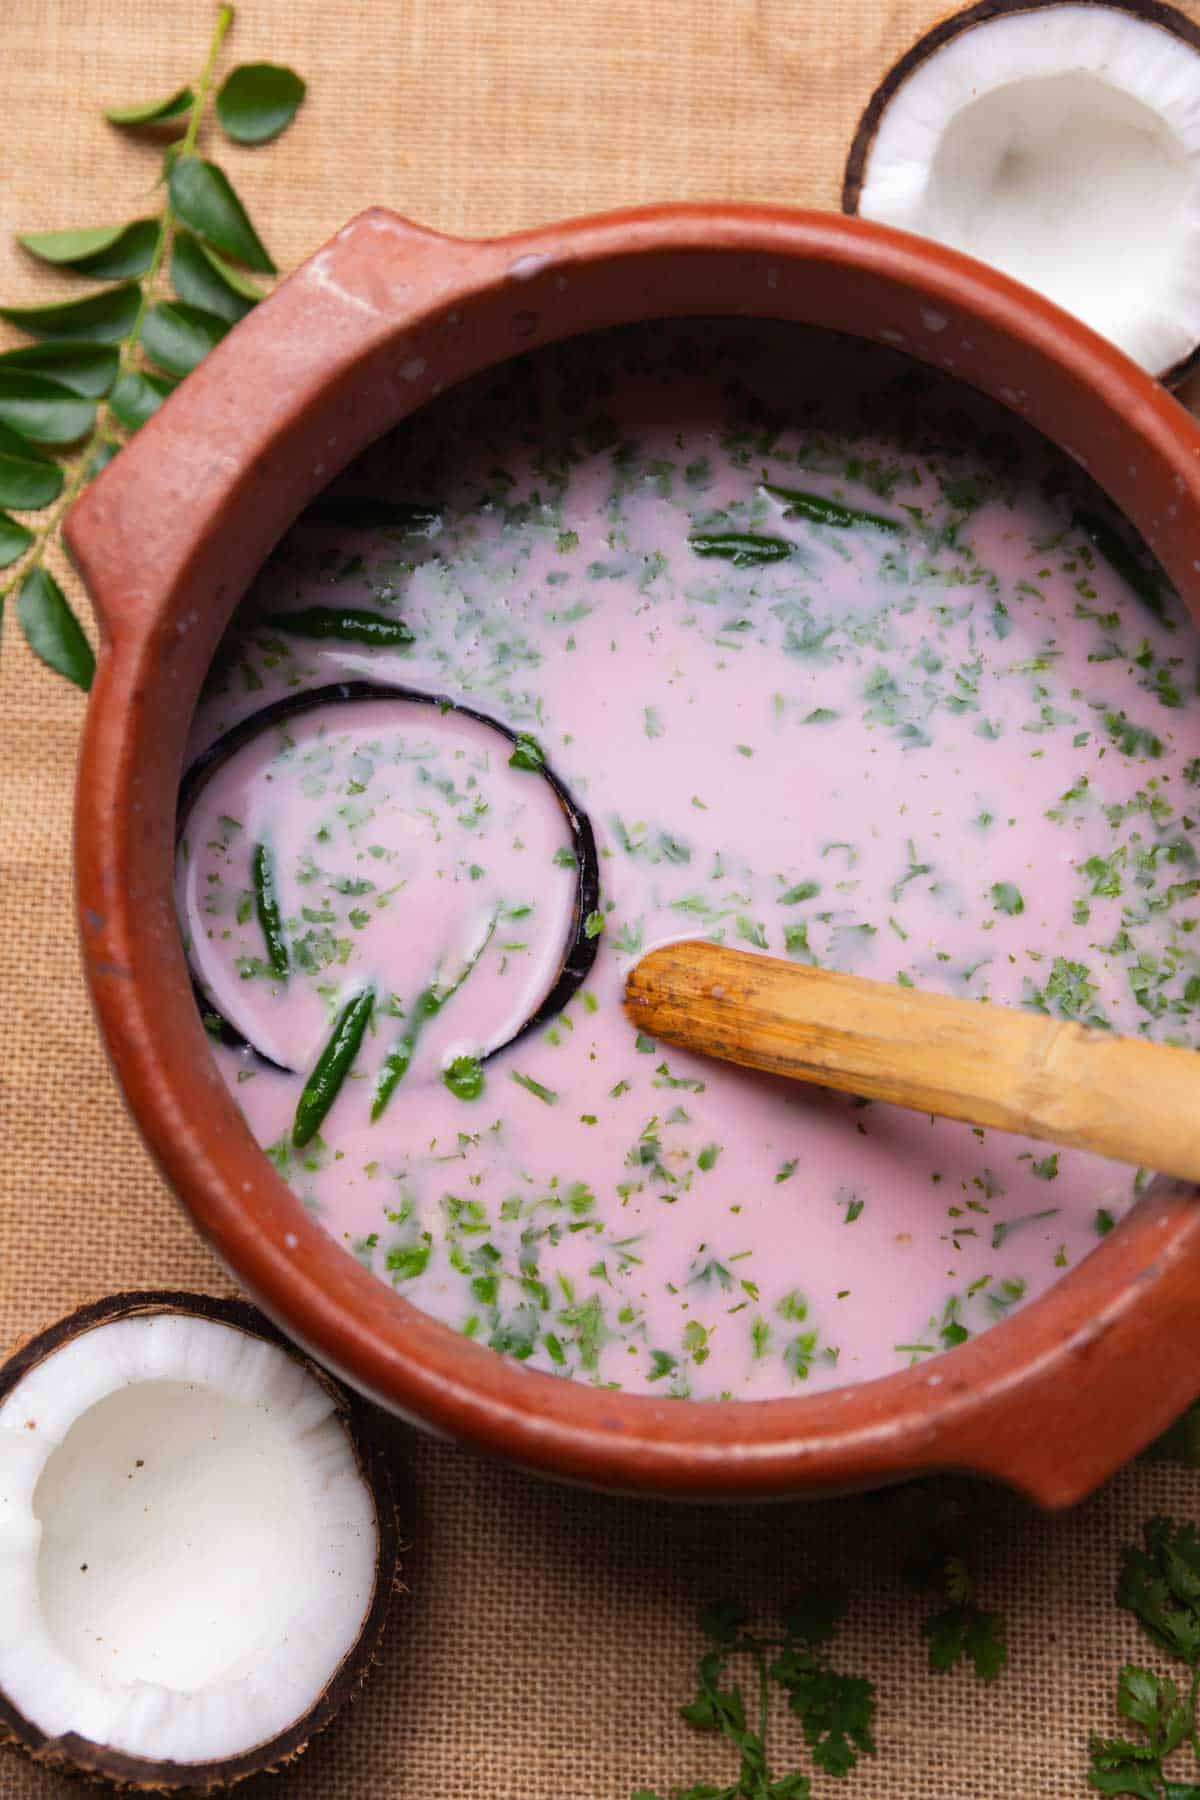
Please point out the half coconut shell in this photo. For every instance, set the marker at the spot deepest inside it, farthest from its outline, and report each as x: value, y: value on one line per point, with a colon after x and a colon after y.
x: 197, y: 1380
x: 1058, y: 140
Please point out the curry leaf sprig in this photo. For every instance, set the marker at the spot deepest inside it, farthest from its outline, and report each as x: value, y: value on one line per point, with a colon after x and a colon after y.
x: 98, y: 367
x: 1159, y: 1584
x: 836, y: 1711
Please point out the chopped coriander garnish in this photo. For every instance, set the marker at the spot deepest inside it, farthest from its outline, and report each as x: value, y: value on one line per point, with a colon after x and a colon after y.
x: 464, y: 1077
x: 1006, y: 898
x: 545, y: 1094
x: 527, y: 753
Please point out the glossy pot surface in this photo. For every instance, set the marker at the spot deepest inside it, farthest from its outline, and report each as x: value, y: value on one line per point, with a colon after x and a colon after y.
x: 168, y: 539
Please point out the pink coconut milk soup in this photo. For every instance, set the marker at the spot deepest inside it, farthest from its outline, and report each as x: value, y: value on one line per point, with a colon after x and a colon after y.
x: 843, y: 664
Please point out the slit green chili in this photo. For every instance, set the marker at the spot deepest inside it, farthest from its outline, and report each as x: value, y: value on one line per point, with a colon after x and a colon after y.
x: 428, y: 1002
x: 394, y: 1066
x: 266, y: 904
x: 744, y: 549
x: 332, y: 1066
x: 349, y: 622
x: 820, y: 510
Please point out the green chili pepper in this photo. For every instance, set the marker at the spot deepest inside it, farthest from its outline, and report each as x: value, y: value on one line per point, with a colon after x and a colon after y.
x: 1124, y: 562
x: 822, y: 511
x: 332, y: 1066
x: 429, y: 1001
x: 744, y: 549
x: 394, y: 1066
x: 351, y: 622
x: 266, y: 902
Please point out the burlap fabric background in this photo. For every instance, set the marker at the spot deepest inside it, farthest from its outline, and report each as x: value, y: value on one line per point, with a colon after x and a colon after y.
x: 548, y: 1635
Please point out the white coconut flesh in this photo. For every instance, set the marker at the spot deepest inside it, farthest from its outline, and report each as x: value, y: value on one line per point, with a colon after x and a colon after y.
x: 1061, y: 145
x: 188, y: 1547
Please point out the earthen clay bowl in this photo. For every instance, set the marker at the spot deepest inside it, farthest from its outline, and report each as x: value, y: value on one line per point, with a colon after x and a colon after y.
x: 169, y: 537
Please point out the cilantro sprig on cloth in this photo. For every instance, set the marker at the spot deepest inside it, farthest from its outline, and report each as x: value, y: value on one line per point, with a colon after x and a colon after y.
x: 1159, y: 1584
x: 836, y: 1711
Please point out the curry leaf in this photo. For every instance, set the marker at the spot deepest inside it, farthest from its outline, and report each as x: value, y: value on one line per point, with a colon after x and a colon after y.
x: 28, y: 480
x: 178, y: 336
x: 202, y: 278
x: 258, y: 101
x: 105, y: 252
x: 152, y: 112
x: 87, y: 369
x: 52, y: 630
x: 204, y: 199
x: 42, y: 409
x: 84, y: 349
x: 15, y: 540
x: 101, y: 456
x: 100, y: 319
x: 137, y: 395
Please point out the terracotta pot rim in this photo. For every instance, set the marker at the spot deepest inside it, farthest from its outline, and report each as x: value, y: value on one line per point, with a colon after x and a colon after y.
x: 372, y: 326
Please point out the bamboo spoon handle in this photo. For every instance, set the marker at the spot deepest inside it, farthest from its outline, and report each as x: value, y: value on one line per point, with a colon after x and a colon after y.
x: 990, y: 1065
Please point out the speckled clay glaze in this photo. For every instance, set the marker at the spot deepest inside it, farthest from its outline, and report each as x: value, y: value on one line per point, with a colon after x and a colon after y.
x: 1051, y: 1399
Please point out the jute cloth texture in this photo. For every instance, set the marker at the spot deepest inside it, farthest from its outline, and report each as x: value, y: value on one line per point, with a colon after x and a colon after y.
x: 548, y: 1635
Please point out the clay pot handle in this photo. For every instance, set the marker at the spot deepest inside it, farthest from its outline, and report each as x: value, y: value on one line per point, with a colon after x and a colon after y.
x: 163, y: 513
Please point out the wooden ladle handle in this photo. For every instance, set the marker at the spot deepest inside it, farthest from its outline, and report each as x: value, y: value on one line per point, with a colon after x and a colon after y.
x: 990, y: 1065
